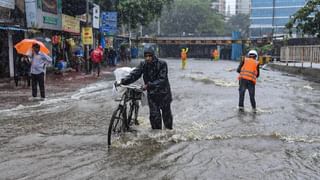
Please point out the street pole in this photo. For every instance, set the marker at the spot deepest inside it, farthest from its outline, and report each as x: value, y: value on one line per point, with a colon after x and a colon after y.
x: 87, y: 46
x: 273, y: 14
x: 158, y: 24
x: 11, y: 60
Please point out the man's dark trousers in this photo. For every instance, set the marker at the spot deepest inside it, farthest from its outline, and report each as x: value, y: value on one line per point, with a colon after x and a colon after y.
x: 159, y: 111
x: 243, y: 85
x: 38, y: 79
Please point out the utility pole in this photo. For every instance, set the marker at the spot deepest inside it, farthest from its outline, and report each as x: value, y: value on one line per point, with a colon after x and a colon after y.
x: 158, y: 23
x: 273, y: 14
x: 87, y: 46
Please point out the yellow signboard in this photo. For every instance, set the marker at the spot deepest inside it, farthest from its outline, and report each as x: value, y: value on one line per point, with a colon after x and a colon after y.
x: 87, y: 37
x: 70, y: 24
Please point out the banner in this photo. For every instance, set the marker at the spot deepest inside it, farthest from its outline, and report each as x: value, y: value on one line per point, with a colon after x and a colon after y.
x: 109, y: 23
x: 38, y: 17
x: 7, y: 4
x: 70, y: 24
x: 50, y: 6
x: 96, y: 16
x: 87, y: 37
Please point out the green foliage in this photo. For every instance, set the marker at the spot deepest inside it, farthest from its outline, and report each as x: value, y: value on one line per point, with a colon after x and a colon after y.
x: 239, y: 22
x: 192, y: 17
x: 135, y: 12
x: 307, y: 19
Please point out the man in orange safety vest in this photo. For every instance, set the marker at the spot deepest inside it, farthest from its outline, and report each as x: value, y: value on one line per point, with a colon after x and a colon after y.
x: 248, y: 73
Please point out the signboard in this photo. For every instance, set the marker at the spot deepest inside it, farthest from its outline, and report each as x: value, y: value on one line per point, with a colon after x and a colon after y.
x: 70, y: 24
x: 50, y: 6
x: 7, y: 4
x: 87, y: 37
x: 96, y: 16
x: 31, y: 13
x: 44, y: 14
x: 50, y: 20
x: 109, y: 23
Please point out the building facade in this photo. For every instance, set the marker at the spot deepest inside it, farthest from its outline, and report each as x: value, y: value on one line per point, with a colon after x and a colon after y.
x: 243, y: 6
x: 268, y: 17
x: 220, y: 6
x: 12, y: 30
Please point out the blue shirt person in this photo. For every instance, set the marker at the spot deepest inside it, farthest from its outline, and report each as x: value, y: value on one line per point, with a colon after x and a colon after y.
x: 38, y: 66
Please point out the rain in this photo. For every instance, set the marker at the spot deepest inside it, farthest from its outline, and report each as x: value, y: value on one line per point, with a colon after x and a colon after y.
x: 64, y: 135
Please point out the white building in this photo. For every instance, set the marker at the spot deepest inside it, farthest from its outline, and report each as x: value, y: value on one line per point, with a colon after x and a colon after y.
x: 220, y: 6
x: 243, y: 6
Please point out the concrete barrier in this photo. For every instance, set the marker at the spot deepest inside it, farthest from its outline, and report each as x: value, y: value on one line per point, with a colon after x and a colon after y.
x: 310, y: 73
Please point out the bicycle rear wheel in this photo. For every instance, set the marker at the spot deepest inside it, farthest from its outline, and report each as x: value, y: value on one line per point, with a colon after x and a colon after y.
x: 117, y: 124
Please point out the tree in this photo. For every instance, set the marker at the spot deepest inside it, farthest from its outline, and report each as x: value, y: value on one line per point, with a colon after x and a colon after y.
x: 135, y: 12
x: 239, y: 22
x: 307, y: 19
x: 191, y: 17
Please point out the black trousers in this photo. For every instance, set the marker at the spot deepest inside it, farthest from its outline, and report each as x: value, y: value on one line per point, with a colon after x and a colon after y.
x: 160, y: 111
x: 243, y: 86
x: 38, y: 79
x: 96, y: 67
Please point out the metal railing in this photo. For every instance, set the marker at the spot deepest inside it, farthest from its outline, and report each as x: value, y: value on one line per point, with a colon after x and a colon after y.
x: 300, y: 54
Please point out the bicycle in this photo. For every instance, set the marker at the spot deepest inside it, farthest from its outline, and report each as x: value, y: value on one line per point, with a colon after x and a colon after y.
x: 121, y: 122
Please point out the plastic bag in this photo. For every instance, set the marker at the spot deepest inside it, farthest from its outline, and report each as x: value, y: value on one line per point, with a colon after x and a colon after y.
x: 121, y: 73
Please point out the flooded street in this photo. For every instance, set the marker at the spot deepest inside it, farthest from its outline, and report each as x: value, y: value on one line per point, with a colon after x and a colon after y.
x: 66, y: 137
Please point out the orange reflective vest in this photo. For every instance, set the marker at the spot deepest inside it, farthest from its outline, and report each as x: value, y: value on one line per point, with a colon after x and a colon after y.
x: 215, y: 53
x: 249, y: 70
x: 183, y: 55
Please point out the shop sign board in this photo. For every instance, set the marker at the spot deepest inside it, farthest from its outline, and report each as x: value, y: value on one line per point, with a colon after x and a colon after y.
x: 70, y: 24
x: 87, y: 37
x: 109, y: 23
x: 50, y: 6
x: 50, y: 20
x: 31, y: 13
x: 96, y: 16
x: 44, y: 14
x: 7, y: 4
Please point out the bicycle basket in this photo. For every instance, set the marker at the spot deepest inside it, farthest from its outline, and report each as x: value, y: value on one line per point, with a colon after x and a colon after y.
x: 134, y: 94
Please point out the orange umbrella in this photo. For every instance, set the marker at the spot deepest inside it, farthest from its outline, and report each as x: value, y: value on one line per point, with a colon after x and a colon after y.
x: 25, y: 46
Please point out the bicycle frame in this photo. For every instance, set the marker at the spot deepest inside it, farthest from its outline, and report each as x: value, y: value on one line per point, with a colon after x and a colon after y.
x: 129, y: 97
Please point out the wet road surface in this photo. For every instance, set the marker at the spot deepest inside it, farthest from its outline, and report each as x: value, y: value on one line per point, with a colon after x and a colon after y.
x: 66, y: 137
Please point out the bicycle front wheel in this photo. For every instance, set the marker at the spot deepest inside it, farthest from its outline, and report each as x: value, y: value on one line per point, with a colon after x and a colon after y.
x: 117, y: 124
x: 133, y: 113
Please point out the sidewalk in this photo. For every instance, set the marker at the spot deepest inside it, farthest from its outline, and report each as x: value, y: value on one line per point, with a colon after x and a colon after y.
x: 55, y: 85
x: 297, y: 68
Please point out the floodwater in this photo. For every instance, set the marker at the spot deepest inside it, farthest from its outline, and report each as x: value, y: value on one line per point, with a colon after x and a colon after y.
x: 66, y: 137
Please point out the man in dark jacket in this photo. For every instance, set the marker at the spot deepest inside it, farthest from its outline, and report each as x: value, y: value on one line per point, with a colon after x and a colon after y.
x: 155, y: 76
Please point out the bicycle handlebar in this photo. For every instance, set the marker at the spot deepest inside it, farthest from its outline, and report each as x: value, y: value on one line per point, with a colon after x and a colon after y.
x: 135, y: 87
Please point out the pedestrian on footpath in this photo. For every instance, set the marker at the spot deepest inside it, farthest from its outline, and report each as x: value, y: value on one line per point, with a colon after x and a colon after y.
x: 96, y: 58
x: 249, y: 72
x: 155, y: 76
x: 184, y: 57
x: 39, y: 61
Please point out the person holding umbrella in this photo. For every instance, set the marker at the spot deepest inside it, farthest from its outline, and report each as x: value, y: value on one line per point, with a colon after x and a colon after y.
x: 38, y: 65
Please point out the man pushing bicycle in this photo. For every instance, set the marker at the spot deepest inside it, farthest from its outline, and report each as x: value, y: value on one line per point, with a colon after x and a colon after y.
x: 155, y: 76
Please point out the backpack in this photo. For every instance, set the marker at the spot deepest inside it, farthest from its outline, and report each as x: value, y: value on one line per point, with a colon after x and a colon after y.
x: 96, y: 56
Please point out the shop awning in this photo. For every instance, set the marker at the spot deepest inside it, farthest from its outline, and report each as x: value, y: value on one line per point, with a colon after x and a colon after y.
x: 10, y: 28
